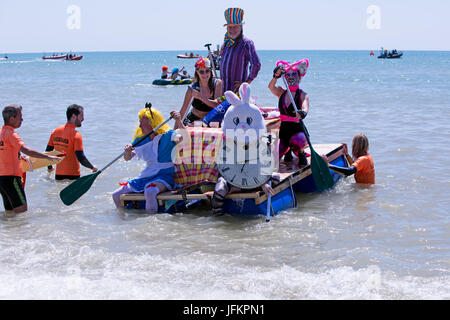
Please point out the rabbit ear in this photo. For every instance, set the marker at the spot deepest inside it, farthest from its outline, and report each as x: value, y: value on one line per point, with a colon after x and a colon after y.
x: 233, y: 98
x: 244, y: 91
x: 303, y: 67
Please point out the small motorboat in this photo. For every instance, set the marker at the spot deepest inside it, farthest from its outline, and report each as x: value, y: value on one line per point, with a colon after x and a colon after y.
x: 74, y: 57
x: 394, y: 54
x: 390, y: 55
x: 190, y: 56
x: 55, y: 57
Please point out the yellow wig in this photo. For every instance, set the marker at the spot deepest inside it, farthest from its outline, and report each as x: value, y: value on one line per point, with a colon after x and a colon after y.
x: 155, y: 118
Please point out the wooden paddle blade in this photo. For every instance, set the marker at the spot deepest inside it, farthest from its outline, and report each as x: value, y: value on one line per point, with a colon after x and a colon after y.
x: 320, y: 172
x: 76, y: 189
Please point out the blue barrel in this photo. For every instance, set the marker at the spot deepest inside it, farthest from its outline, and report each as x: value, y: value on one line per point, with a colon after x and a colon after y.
x: 217, y: 114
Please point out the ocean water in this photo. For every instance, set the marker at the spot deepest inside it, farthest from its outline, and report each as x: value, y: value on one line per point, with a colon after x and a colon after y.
x: 387, y: 241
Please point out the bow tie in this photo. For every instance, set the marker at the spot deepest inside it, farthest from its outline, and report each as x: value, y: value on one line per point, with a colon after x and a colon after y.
x: 228, y: 40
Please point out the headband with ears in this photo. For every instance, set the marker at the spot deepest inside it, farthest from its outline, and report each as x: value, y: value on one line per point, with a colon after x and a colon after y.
x: 300, y: 66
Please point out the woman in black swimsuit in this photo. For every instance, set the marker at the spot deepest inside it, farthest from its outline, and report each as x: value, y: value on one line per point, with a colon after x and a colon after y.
x: 202, y: 93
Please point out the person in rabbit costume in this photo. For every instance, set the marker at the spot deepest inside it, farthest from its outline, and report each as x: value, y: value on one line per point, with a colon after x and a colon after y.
x: 243, y: 118
x: 292, y: 137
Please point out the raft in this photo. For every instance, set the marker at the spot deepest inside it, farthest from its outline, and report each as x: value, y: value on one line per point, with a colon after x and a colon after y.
x: 245, y: 203
x: 165, y: 82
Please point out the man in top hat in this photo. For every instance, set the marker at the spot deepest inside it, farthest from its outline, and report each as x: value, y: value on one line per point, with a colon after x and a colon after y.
x: 237, y: 53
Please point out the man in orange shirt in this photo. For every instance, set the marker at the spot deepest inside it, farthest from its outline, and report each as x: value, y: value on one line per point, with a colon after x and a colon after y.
x: 11, y: 145
x: 66, y: 139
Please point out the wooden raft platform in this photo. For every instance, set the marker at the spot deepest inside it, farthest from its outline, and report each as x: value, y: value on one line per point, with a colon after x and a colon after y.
x: 289, y: 176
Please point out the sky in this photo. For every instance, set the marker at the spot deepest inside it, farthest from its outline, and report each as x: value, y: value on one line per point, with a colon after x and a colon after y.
x: 133, y: 25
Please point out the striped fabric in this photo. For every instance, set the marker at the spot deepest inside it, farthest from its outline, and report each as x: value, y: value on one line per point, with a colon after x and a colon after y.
x: 235, y: 62
x: 234, y: 16
x: 228, y: 40
x: 198, y: 165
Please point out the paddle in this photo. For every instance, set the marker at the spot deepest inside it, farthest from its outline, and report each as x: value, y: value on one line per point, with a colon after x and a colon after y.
x: 319, y: 168
x: 211, y: 58
x: 76, y: 189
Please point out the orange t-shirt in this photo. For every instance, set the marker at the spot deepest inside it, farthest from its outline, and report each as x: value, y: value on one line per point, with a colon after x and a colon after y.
x: 365, y: 170
x: 66, y: 139
x: 10, y: 145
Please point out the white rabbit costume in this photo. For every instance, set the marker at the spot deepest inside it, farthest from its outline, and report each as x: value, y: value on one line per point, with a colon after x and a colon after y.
x: 241, y: 118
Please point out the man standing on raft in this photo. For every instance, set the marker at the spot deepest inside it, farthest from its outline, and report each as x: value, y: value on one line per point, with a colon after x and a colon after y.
x: 11, y: 145
x: 237, y: 53
x: 239, y: 61
x: 66, y: 139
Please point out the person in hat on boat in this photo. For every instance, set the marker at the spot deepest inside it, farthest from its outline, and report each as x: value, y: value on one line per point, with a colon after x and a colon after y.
x: 202, y: 93
x: 11, y: 145
x: 239, y: 61
x: 176, y: 73
x: 363, y: 167
x: 165, y: 72
x: 66, y: 139
x: 156, y: 151
x: 292, y: 136
x: 185, y: 75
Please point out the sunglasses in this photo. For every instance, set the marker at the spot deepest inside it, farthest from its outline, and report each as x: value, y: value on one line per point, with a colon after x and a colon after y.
x: 291, y: 75
x: 203, y: 71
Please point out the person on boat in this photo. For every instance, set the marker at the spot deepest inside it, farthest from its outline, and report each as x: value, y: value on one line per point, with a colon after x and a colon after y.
x: 11, y: 145
x: 363, y: 167
x: 66, y: 139
x: 202, y: 93
x: 238, y: 54
x: 185, y: 75
x: 155, y: 150
x: 245, y: 117
x: 175, y: 73
x: 165, y: 72
x: 239, y: 61
x: 292, y: 136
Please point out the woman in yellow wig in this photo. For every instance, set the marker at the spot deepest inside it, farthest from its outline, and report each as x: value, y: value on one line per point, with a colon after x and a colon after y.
x: 156, y: 151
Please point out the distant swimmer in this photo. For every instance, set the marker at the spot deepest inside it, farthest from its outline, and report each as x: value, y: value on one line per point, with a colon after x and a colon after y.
x: 66, y: 139
x: 363, y: 167
x: 11, y: 145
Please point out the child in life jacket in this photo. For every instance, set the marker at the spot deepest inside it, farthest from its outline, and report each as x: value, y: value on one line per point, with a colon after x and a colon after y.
x: 292, y: 136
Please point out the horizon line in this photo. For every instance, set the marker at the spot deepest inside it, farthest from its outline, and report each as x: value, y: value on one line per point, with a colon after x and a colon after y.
x: 94, y: 51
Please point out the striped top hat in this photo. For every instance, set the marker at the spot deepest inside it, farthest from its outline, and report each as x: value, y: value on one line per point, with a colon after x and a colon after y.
x: 234, y: 16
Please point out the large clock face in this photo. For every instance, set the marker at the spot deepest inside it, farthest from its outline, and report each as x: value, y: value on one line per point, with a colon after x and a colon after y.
x: 247, y: 174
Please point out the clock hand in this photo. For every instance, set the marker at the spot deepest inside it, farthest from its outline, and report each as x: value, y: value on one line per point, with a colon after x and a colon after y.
x: 243, y: 167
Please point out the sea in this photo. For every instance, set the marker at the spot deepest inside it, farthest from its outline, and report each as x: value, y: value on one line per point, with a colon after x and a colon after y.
x: 389, y: 241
